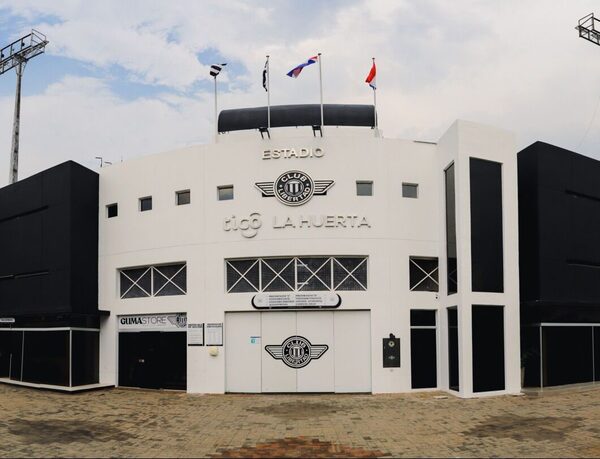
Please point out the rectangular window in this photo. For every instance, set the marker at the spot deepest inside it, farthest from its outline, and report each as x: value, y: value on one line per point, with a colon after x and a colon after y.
x: 296, y: 274
x: 453, y: 376
x: 147, y: 281
x: 422, y: 317
x: 169, y: 280
x: 452, y: 274
x: 183, y: 197
x: 423, y: 274
x: 364, y: 188
x: 487, y: 260
x: 145, y: 204
x: 423, y: 348
x: 225, y: 193
x: 50, y: 356
x: 410, y: 190
x: 46, y: 357
x: 488, y: 348
x: 112, y: 210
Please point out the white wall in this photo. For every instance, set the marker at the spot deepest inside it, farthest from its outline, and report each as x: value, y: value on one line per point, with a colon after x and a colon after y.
x: 400, y: 228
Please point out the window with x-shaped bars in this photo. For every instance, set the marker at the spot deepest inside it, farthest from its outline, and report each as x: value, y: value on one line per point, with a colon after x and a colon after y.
x: 296, y: 274
x: 423, y: 274
x: 160, y: 280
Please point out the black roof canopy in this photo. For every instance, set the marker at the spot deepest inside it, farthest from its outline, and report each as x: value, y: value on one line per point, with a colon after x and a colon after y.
x: 240, y: 119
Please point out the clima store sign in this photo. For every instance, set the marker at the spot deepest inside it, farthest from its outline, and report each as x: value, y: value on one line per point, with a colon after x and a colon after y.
x: 153, y: 322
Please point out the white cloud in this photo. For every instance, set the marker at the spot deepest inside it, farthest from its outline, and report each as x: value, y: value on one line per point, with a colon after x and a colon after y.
x: 515, y: 64
x: 80, y: 118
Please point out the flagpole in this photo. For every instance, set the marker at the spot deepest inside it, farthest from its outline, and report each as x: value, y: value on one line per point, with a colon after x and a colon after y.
x: 268, y: 94
x: 321, y: 90
x: 216, y: 120
x: 375, y: 101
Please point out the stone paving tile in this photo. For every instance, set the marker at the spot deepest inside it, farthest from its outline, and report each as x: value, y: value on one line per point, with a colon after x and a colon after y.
x: 124, y: 423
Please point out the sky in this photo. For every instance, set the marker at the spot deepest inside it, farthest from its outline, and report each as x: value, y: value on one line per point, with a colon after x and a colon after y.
x: 125, y: 79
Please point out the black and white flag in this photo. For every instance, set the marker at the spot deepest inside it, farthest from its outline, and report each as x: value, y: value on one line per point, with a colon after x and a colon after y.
x: 265, y: 70
x: 215, y: 69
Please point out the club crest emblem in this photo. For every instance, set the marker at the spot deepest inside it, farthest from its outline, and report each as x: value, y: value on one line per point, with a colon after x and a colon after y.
x: 179, y: 320
x: 296, y: 351
x: 294, y: 188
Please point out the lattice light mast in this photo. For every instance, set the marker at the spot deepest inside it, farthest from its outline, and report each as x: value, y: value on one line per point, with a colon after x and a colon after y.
x: 16, y: 55
x: 587, y: 28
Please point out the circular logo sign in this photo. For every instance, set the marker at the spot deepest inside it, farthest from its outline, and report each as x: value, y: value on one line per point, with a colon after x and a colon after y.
x: 296, y: 352
x: 294, y: 188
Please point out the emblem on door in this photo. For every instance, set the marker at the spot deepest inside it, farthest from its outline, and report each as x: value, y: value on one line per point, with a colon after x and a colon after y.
x: 296, y: 351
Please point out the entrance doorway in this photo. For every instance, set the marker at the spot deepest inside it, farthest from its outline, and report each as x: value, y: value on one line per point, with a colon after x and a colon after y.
x: 153, y: 360
x: 298, y: 351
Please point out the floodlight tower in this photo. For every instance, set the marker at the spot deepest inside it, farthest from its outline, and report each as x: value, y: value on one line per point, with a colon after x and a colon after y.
x: 587, y: 28
x: 16, y: 55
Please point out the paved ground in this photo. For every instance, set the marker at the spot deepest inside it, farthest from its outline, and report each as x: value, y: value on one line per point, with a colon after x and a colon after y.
x: 123, y: 422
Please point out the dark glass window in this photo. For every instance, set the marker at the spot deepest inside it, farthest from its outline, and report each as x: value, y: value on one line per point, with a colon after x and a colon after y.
x: 112, y: 210
x: 423, y: 274
x: 487, y: 260
x: 451, y: 231
x: 184, y: 197
x: 350, y: 273
x: 296, y: 274
x: 422, y: 318
x: 488, y: 348
x: 423, y: 349
x: 85, y: 357
x: 410, y: 190
x: 314, y: 273
x: 163, y: 280
x: 11, y: 348
x: 145, y: 204
x: 225, y: 193
x: 243, y: 276
x: 278, y: 274
x: 46, y: 357
x: 136, y: 282
x: 568, y: 355
x: 364, y: 188
x: 169, y: 280
x: 453, y: 376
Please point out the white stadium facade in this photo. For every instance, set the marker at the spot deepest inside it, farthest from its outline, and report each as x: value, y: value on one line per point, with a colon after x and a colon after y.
x: 300, y: 258
x: 336, y: 237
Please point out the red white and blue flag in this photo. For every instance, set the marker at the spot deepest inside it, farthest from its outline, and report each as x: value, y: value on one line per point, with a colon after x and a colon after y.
x: 296, y: 70
x: 372, y: 77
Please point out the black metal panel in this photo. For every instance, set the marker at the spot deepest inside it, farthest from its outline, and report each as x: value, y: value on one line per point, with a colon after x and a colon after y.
x: 487, y: 259
x: 559, y: 224
x: 49, y: 243
x: 297, y: 115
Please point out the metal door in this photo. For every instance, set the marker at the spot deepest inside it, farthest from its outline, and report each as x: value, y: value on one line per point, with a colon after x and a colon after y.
x: 138, y: 360
x: 317, y: 328
x: 243, y: 344
x: 276, y: 375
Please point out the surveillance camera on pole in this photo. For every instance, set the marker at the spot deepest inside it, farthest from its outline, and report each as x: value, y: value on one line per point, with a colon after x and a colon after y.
x: 16, y: 55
